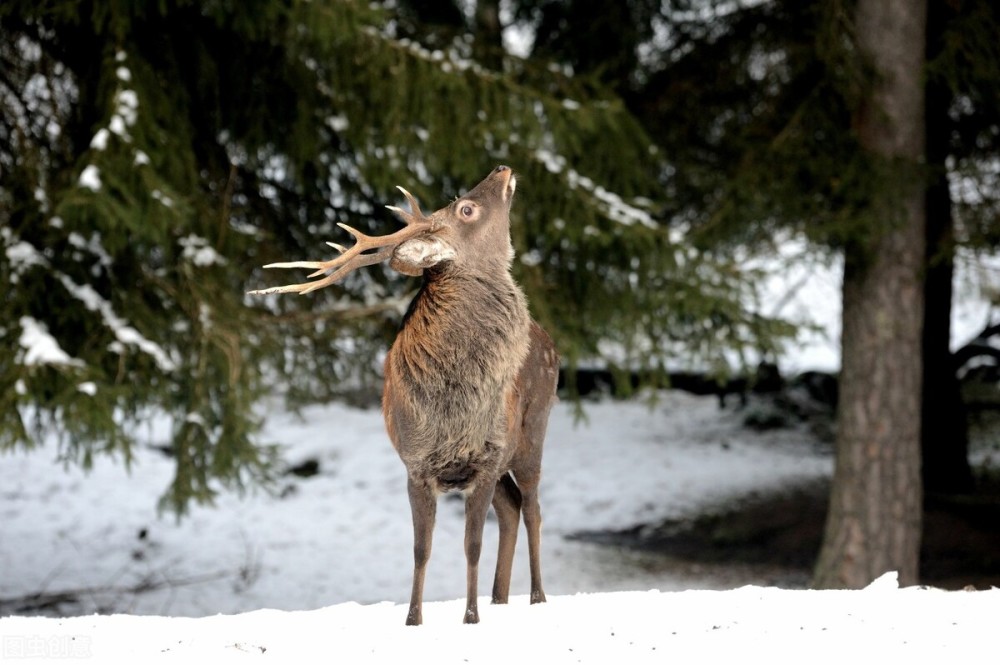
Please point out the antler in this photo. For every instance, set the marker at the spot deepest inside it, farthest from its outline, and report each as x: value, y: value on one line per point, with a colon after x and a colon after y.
x: 355, y: 257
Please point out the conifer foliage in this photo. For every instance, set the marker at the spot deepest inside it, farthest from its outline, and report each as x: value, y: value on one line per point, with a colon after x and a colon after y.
x: 154, y: 155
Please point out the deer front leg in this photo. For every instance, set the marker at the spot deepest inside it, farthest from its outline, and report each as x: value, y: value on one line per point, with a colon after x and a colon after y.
x: 423, y: 506
x: 507, y: 503
x: 477, y: 504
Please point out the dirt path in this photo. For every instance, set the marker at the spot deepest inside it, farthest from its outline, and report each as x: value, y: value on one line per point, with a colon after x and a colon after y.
x: 781, y: 532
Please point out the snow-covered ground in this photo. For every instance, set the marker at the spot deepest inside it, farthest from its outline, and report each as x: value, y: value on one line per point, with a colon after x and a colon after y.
x: 323, y: 571
x: 751, y: 624
x: 345, y: 534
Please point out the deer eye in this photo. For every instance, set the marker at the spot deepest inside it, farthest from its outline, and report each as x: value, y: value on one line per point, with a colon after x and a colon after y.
x: 468, y: 211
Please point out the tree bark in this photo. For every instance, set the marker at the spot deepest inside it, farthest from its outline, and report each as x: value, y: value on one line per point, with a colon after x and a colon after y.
x: 874, y: 520
x: 489, y: 34
x: 945, y: 432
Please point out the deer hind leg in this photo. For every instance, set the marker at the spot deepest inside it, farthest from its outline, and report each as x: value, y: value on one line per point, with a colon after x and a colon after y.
x: 507, y: 504
x: 477, y: 504
x: 423, y: 505
x: 533, y: 525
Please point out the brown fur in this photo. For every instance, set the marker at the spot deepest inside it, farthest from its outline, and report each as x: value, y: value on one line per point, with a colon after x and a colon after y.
x: 469, y: 383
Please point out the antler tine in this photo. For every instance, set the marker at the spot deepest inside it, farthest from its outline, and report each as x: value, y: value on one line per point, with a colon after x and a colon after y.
x: 355, y: 257
x: 414, y: 206
x: 415, y: 214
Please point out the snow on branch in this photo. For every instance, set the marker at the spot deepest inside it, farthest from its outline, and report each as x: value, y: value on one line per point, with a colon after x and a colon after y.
x: 124, y: 116
x: 42, y: 348
x: 448, y: 61
x: 198, y: 251
x: 123, y: 332
x: 613, y: 206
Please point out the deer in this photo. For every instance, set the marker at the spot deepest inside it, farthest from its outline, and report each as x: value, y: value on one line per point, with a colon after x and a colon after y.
x: 469, y: 380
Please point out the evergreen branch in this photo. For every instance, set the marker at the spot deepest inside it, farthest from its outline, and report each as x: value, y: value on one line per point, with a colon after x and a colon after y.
x: 345, y: 313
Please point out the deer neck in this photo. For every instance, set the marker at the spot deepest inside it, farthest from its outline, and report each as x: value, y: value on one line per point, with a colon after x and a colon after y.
x: 461, y: 314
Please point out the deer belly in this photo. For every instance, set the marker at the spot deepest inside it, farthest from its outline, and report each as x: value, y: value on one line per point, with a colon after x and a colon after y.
x: 460, y: 468
x: 453, y: 453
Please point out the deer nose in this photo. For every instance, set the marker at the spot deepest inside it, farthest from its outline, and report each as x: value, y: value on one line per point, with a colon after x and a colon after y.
x: 501, y: 169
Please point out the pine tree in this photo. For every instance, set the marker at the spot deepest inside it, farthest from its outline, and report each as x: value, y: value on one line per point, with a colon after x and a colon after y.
x: 874, y: 520
x: 154, y: 155
x: 963, y: 139
x: 756, y: 107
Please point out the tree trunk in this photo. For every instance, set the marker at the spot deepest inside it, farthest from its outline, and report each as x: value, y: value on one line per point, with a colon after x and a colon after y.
x: 874, y: 521
x: 489, y: 34
x: 945, y: 434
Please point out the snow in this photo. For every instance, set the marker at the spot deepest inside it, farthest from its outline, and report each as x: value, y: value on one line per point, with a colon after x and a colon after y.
x: 344, y: 535
x: 613, y: 205
x: 117, y: 126
x: 126, y: 104
x: 615, y: 208
x: 772, y: 625
x: 125, y: 114
x: 198, y: 251
x: 552, y: 161
x: 100, y: 140
x: 123, y: 332
x: 94, y: 246
x: 164, y: 200
x: 22, y: 255
x: 322, y: 569
x: 90, y: 178
x: 39, y: 347
x: 338, y: 123
x: 803, y: 287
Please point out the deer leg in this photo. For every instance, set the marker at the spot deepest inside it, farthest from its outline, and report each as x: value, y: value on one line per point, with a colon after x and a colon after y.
x: 533, y: 525
x: 507, y: 503
x: 423, y: 505
x: 477, y: 504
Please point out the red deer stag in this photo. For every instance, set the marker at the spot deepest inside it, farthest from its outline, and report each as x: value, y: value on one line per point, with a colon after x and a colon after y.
x: 469, y: 381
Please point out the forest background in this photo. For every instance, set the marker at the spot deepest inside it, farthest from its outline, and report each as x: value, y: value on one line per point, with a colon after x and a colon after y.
x: 154, y: 155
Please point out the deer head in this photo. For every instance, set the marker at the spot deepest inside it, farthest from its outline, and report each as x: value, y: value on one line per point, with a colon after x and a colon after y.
x: 473, y: 231
x: 479, y: 221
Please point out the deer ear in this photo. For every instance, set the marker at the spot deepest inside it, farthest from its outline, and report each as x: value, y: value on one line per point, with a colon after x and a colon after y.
x: 412, y: 257
x: 405, y: 268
